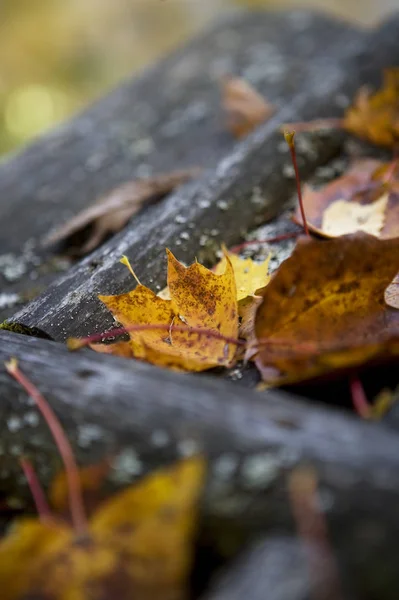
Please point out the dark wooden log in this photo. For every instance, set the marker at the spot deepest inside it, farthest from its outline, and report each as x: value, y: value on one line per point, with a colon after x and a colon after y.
x: 306, y: 64
x: 143, y: 417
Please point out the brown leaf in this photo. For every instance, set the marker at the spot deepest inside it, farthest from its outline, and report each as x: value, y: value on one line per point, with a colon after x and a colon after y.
x: 365, y: 198
x: 244, y: 107
x: 111, y: 212
x: 324, y: 309
x: 375, y: 117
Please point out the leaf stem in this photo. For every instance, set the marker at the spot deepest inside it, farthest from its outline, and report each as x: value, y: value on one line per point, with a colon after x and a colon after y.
x: 290, y: 139
x: 39, y: 498
x: 78, y: 515
x: 359, y: 398
x: 76, y: 343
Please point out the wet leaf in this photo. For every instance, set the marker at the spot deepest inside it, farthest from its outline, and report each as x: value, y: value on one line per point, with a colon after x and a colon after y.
x: 138, y: 547
x: 111, y: 212
x: 365, y: 198
x: 198, y: 299
x: 244, y: 107
x: 324, y: 309
x: 375, y: 117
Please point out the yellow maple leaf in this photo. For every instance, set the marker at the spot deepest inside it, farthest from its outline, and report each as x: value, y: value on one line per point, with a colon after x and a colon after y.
x: 199, y: 299
x: 138, y: 545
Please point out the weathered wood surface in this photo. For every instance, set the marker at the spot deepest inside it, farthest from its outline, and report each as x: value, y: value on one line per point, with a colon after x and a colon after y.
x: 143, y: 416
x: 167, y: 118
x: 306, y: 64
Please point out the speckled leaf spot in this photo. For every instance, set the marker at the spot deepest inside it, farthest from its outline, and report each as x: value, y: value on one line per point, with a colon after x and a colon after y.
x: 202, y: 302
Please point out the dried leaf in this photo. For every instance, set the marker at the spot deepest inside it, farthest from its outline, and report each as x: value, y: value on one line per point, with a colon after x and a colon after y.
x: 199, y: 299
x: 139, y: 546
x: 391, y: 294
x: 251, y: 277
x: 324, y: 309
x: 244, y: 107
x: 375, y: 117
x: 111, y: 212
x: 343, y: 217
x: 365, y: 198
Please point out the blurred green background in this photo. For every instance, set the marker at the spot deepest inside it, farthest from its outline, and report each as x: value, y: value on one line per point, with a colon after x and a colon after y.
x: 57, y: 55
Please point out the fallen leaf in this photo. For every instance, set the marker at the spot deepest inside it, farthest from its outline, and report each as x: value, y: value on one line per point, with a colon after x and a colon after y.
x: 138, y: 547
x: 375, y: 117
x: 91, y: 480
x: 365, y: 198
x: 324, y: 309
x: 343, y: 217
x: 391, y: 294
x: 111, y: 212
x: 244, y: 107
x: 251, y: 277
x: 199, y: 299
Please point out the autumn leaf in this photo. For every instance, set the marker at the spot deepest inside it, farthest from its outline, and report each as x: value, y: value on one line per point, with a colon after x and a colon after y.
x: 199, y: 299
x: 375, y: 117
x: 91, y: 477
x: 365, y: 198
x: 244, y: 107
x: 111, y: 212
x: 138, y: 546
x: 251, y: 277
x: 327, y: 303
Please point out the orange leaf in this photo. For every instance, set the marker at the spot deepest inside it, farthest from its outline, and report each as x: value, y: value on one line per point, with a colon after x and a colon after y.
x: 375, y: 117
x: 327, y: 303
x: 139, y: 546
x: 199, y: 299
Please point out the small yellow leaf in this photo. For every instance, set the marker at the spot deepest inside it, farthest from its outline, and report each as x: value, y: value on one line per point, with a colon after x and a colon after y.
x: 250, y: 275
